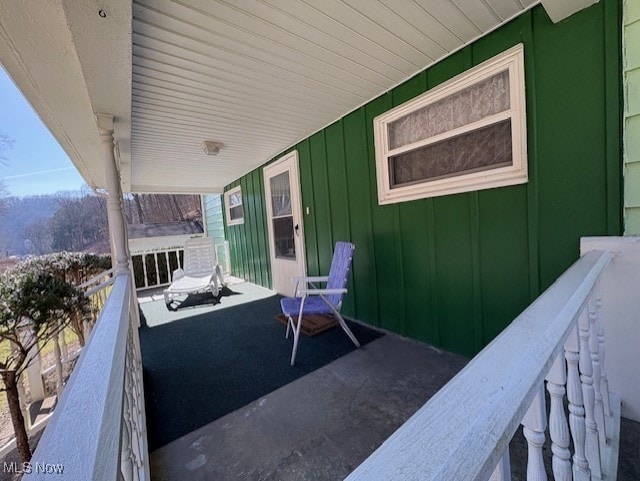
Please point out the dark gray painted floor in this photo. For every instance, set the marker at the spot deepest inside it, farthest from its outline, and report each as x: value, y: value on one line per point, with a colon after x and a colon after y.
x: 320, y: 427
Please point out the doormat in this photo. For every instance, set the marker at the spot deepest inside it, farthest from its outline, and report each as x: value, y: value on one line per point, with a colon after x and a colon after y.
x: 312, y: 324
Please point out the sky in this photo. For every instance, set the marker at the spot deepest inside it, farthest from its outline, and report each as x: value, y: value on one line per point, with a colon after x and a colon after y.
x: 36, y: 163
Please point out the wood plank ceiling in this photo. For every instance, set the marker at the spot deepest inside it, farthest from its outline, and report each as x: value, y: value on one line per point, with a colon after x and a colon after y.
x: 260, y: 75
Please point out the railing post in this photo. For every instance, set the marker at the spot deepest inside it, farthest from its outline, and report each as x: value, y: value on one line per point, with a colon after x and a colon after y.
x: 592, y: 442
x: 558, y: 426
x: 34, y: 373
x: 63, y: 345
x: 58, y: 363
x: 535, y: 424
x: 581, y: 470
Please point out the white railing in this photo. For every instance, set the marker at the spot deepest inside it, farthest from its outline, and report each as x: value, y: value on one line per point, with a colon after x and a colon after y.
x: 463, y: 432
x: 154, y: 267
x: 98, y: 430
x: 95, y: 290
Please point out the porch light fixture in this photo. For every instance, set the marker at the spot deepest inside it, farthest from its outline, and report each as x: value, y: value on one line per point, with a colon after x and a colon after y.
x: 211, y: 148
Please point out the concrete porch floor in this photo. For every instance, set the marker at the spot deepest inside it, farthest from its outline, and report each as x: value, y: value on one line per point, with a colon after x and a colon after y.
x: 319, y: 427
x: 324, y: 424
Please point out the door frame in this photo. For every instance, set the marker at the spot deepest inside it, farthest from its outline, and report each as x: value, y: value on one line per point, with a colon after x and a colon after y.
x: 296, y: 203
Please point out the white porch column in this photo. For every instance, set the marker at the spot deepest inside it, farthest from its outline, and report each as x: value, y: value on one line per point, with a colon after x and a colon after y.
x: 114, y: 199
x: 117, y: 227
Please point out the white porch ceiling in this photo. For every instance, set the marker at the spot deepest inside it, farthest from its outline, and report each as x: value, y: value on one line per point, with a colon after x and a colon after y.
x: 259, y: 76
x: 256, y: 75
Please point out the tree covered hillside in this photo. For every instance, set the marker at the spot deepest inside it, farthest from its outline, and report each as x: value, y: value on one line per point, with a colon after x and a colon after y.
x: 20, y: 213
x: 77, y: 221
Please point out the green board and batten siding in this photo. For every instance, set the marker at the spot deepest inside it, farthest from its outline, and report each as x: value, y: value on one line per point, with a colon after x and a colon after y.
x: 455, y: 270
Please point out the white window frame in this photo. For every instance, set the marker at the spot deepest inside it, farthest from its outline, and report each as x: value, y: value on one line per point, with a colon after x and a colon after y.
x: 512, y: 60
x: 227, y: 205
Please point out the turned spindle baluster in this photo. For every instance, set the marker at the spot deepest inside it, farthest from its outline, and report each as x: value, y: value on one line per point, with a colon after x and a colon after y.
x: 581, y: 470
x: 131, y: 392
x: 594, y: 349
x: 127, y: 466
x: 604, y: 381
x: 144, y: 270
x: 558, y: 426
x: 535, y: 423
x: 167, y: 266
x: 592, y: 443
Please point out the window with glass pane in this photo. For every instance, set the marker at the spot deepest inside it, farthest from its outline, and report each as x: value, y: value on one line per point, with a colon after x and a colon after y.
x: 233, y: 203
x: 482, y: 149
x: 467, y: 134
x: 284, y: 237
x: 280, y: 194
x: 283, y: 230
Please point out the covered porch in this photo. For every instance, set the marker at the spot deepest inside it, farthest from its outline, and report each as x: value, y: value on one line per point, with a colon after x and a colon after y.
x: 235, y: 409
x: 493, y: 270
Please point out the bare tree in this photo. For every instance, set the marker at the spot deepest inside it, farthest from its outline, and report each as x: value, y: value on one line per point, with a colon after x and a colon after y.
x: 153, y: 208
x: 80, y: 223
x: 39, y: 236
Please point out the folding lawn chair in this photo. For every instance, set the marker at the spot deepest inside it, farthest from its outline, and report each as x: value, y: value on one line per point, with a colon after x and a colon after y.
x: 321, y: 301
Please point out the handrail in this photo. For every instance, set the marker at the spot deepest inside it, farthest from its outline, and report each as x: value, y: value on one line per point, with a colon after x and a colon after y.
x: 96, y: 429
x: 99, y: 287
x: 96, y: 278
x: 462, y: 432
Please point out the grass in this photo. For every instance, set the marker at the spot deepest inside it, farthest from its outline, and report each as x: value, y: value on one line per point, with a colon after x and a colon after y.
x: 5, y: 349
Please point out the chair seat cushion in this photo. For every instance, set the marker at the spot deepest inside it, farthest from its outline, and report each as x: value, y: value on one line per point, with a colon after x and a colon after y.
x: 312, y: 305
x: 190, y: 284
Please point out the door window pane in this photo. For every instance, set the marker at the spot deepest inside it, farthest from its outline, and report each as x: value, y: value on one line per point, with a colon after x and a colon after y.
x: 280, y: 194
x: 284, y: 238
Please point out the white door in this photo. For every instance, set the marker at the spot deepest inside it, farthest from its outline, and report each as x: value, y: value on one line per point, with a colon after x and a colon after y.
x: 284, y: 220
